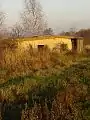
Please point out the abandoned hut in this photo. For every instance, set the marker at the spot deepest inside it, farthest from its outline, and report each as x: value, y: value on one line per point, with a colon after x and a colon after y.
x: 73, y: 43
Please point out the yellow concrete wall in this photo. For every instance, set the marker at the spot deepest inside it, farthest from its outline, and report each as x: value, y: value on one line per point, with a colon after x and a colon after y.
x: 51, y: 42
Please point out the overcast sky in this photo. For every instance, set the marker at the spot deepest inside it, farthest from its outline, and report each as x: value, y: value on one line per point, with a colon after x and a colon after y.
x: 61, y: 14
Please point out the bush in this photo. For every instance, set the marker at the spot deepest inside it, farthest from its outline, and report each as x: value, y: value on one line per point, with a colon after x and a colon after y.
x: 61, y: 47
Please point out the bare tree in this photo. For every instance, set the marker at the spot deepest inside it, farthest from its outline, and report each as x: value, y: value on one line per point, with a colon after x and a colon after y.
x: 48, y: 31
x: 16, y: 31
x: 2, y: 18
x: 33, y: 18
x: 71, y: 32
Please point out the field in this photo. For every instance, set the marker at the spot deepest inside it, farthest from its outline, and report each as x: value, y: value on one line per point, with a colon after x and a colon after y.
x: 46, y: 85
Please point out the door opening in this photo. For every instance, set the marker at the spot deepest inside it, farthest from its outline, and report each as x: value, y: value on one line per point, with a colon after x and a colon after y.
x: 74, y: 44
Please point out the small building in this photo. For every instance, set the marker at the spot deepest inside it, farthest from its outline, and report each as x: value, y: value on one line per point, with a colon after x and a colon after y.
x: 73, y: 43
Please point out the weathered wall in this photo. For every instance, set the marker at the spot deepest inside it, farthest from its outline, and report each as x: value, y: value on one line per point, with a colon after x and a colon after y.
x: 51, y: 42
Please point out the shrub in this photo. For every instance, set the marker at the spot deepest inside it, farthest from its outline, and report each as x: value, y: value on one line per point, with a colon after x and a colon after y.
x: 61, y: 47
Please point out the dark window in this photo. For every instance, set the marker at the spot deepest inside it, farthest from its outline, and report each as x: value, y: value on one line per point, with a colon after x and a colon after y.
x: 40, y: 47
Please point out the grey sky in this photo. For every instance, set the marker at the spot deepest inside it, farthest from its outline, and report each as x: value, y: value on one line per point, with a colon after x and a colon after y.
x: 61, y: 14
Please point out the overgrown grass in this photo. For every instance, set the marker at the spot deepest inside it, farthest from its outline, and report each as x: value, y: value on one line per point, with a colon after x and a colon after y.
x: 55, y: 86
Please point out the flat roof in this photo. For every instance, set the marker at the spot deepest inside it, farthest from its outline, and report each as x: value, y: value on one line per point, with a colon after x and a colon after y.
x: 47, y: 37
x: 40, y: 38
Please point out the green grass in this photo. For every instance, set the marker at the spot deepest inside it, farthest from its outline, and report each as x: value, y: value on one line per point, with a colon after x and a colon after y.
x: 55, y: 83
x: 78, y: 72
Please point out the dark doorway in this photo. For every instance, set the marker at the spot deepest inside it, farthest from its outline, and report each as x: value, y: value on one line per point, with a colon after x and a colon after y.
x: 74, y: 44
x: 40, y: 48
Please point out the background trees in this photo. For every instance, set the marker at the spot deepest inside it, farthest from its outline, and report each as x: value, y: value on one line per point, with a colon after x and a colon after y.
x: 48, y: 31
x: 2, y: 20
x: 85, y: 33
x: 33, y: 18
x: 17, y: 31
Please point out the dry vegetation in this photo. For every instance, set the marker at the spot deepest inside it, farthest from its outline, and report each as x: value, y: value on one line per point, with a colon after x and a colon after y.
x: 45, y: 85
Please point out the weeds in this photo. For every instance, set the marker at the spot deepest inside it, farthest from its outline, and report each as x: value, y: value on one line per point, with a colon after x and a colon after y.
x: 45, y: 85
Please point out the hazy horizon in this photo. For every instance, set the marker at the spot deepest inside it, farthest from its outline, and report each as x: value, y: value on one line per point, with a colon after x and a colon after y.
x: 61, y: 14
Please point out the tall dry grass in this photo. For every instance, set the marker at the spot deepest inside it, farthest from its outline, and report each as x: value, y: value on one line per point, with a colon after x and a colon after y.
x: 31, y: 81
x: 18, y: 62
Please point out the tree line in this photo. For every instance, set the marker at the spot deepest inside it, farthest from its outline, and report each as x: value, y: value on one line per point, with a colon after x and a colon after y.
x: 85, y: 33
x: 31, y: 22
